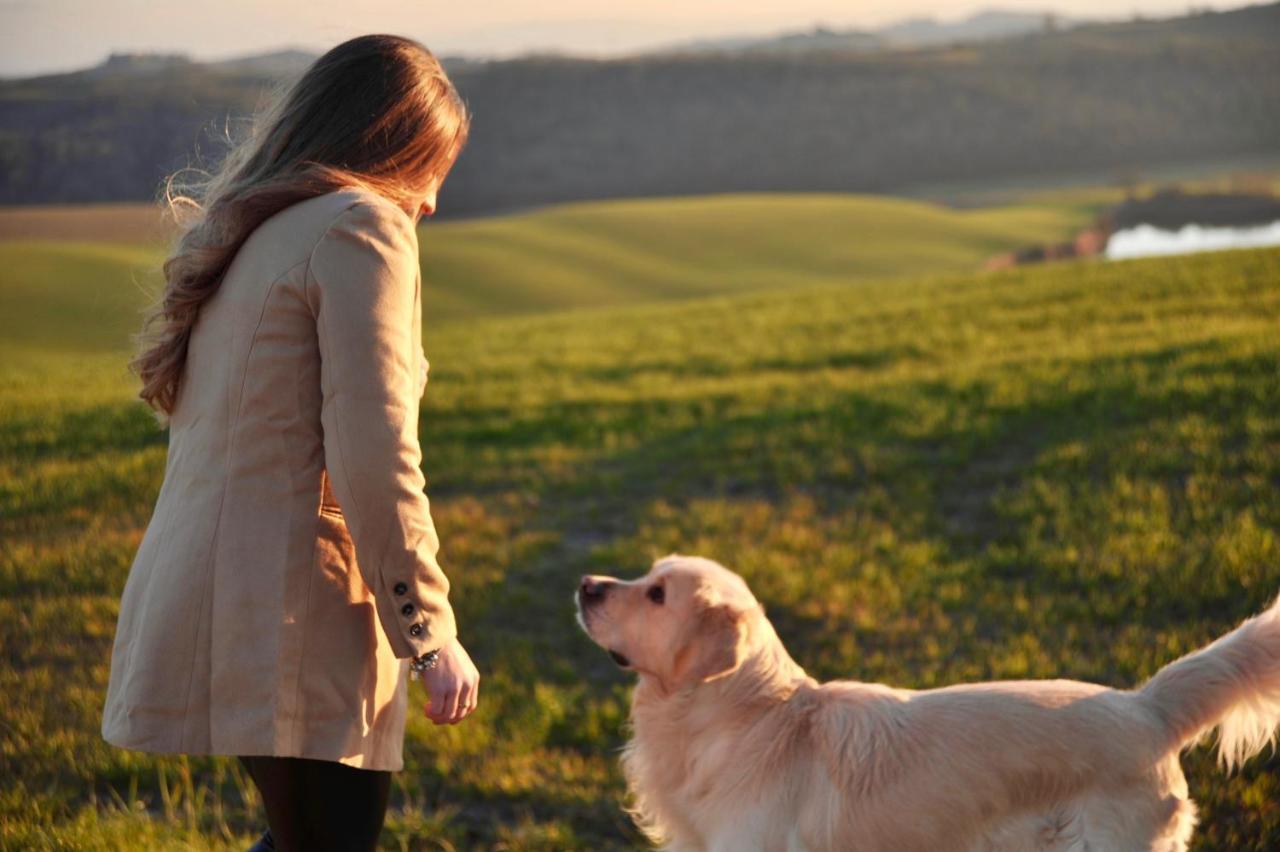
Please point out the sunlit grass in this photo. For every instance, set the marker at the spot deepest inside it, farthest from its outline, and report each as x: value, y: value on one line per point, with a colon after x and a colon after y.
x: 1062, y: 471
x: 577, y: 255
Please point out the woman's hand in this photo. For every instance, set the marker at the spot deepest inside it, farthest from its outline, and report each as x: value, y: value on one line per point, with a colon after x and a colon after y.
x: 453, y: 685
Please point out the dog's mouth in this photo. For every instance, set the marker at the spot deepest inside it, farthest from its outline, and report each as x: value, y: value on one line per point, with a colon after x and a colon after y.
x: 622, y: 661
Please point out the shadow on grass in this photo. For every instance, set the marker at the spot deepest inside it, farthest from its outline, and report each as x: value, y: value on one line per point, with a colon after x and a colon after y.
x: 80, y: 433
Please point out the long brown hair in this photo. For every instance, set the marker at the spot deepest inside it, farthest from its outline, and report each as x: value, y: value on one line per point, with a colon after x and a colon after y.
x: 377, y: 111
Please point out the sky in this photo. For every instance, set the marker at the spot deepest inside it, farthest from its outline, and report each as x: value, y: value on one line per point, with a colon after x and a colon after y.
x: 40, y: 36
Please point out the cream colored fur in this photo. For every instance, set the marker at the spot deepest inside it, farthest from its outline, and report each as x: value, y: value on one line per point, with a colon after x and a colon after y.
x: 735, y: 748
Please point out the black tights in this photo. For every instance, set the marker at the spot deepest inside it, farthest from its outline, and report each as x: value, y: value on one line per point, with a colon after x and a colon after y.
x: 320, y: 804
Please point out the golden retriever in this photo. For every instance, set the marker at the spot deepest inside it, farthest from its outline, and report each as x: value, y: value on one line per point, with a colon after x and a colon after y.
x: 735, y: 748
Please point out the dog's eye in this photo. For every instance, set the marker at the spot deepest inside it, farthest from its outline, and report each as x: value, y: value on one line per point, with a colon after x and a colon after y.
x: 656, y: 594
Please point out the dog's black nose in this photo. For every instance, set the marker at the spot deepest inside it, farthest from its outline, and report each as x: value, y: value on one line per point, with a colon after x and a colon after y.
x: 592, y: 589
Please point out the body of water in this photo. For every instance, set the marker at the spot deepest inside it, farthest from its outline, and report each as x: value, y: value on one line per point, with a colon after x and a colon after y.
x: 1149, y: 241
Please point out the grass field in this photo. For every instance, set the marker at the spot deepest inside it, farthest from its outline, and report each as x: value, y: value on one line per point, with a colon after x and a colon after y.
x: 582, y: 255
x: 1069, y: 470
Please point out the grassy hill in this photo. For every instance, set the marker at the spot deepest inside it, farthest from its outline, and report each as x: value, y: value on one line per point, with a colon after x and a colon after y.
x: 1061, y: 471
x: 583, y: 255
x: 642, y: 250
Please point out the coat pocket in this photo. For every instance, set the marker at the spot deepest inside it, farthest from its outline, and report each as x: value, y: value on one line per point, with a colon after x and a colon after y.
x: 328, y: 502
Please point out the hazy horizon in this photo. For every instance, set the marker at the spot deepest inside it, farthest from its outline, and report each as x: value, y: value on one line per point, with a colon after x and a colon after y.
x: 49, y: 36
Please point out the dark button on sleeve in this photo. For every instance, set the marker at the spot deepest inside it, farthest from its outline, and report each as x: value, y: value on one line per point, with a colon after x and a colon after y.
x: 400, y: 588
x: 407, y: 609
x: 415, y: 630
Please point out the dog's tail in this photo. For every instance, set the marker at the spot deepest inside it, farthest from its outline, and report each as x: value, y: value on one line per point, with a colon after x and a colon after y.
x: 1232, y: 685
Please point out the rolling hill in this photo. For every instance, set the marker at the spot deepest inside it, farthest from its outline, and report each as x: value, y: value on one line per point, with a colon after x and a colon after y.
x: 573, y: 256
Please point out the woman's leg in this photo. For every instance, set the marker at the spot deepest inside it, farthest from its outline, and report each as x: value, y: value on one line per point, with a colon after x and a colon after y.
x: 320, y: 804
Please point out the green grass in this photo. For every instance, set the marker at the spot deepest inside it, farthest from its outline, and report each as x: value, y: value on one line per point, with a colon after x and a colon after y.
x: 620, y: 252
x: 1068, y: 470
x: 572, y: 256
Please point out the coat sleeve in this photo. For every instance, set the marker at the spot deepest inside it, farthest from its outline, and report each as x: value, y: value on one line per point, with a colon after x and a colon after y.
x: 362, y: 289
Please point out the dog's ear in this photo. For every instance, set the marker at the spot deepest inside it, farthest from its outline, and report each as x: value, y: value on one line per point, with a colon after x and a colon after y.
x: 714, y: 645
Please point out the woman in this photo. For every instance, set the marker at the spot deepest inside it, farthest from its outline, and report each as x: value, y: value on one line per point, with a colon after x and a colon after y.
x: 287, y: 582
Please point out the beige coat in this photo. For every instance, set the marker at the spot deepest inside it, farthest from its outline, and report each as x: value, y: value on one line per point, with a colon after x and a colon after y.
x: 289, y: 569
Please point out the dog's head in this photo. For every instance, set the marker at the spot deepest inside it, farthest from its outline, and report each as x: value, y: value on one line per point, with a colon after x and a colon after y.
x: 683, y: 623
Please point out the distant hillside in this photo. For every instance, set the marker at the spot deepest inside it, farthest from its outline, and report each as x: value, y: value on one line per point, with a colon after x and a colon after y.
x: 280, y: 63
x: 1099, y: 97
x: 983, y: 26
x: 910, y: 33
x: 817, y: 39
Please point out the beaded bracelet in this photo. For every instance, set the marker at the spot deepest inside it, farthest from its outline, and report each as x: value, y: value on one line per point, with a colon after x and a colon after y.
x: 423, y: 662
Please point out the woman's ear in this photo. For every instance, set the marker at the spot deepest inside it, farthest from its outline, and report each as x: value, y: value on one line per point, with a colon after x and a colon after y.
x: 714, y: 646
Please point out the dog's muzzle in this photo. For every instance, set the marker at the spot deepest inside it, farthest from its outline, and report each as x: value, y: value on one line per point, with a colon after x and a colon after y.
x: 593, y: 591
